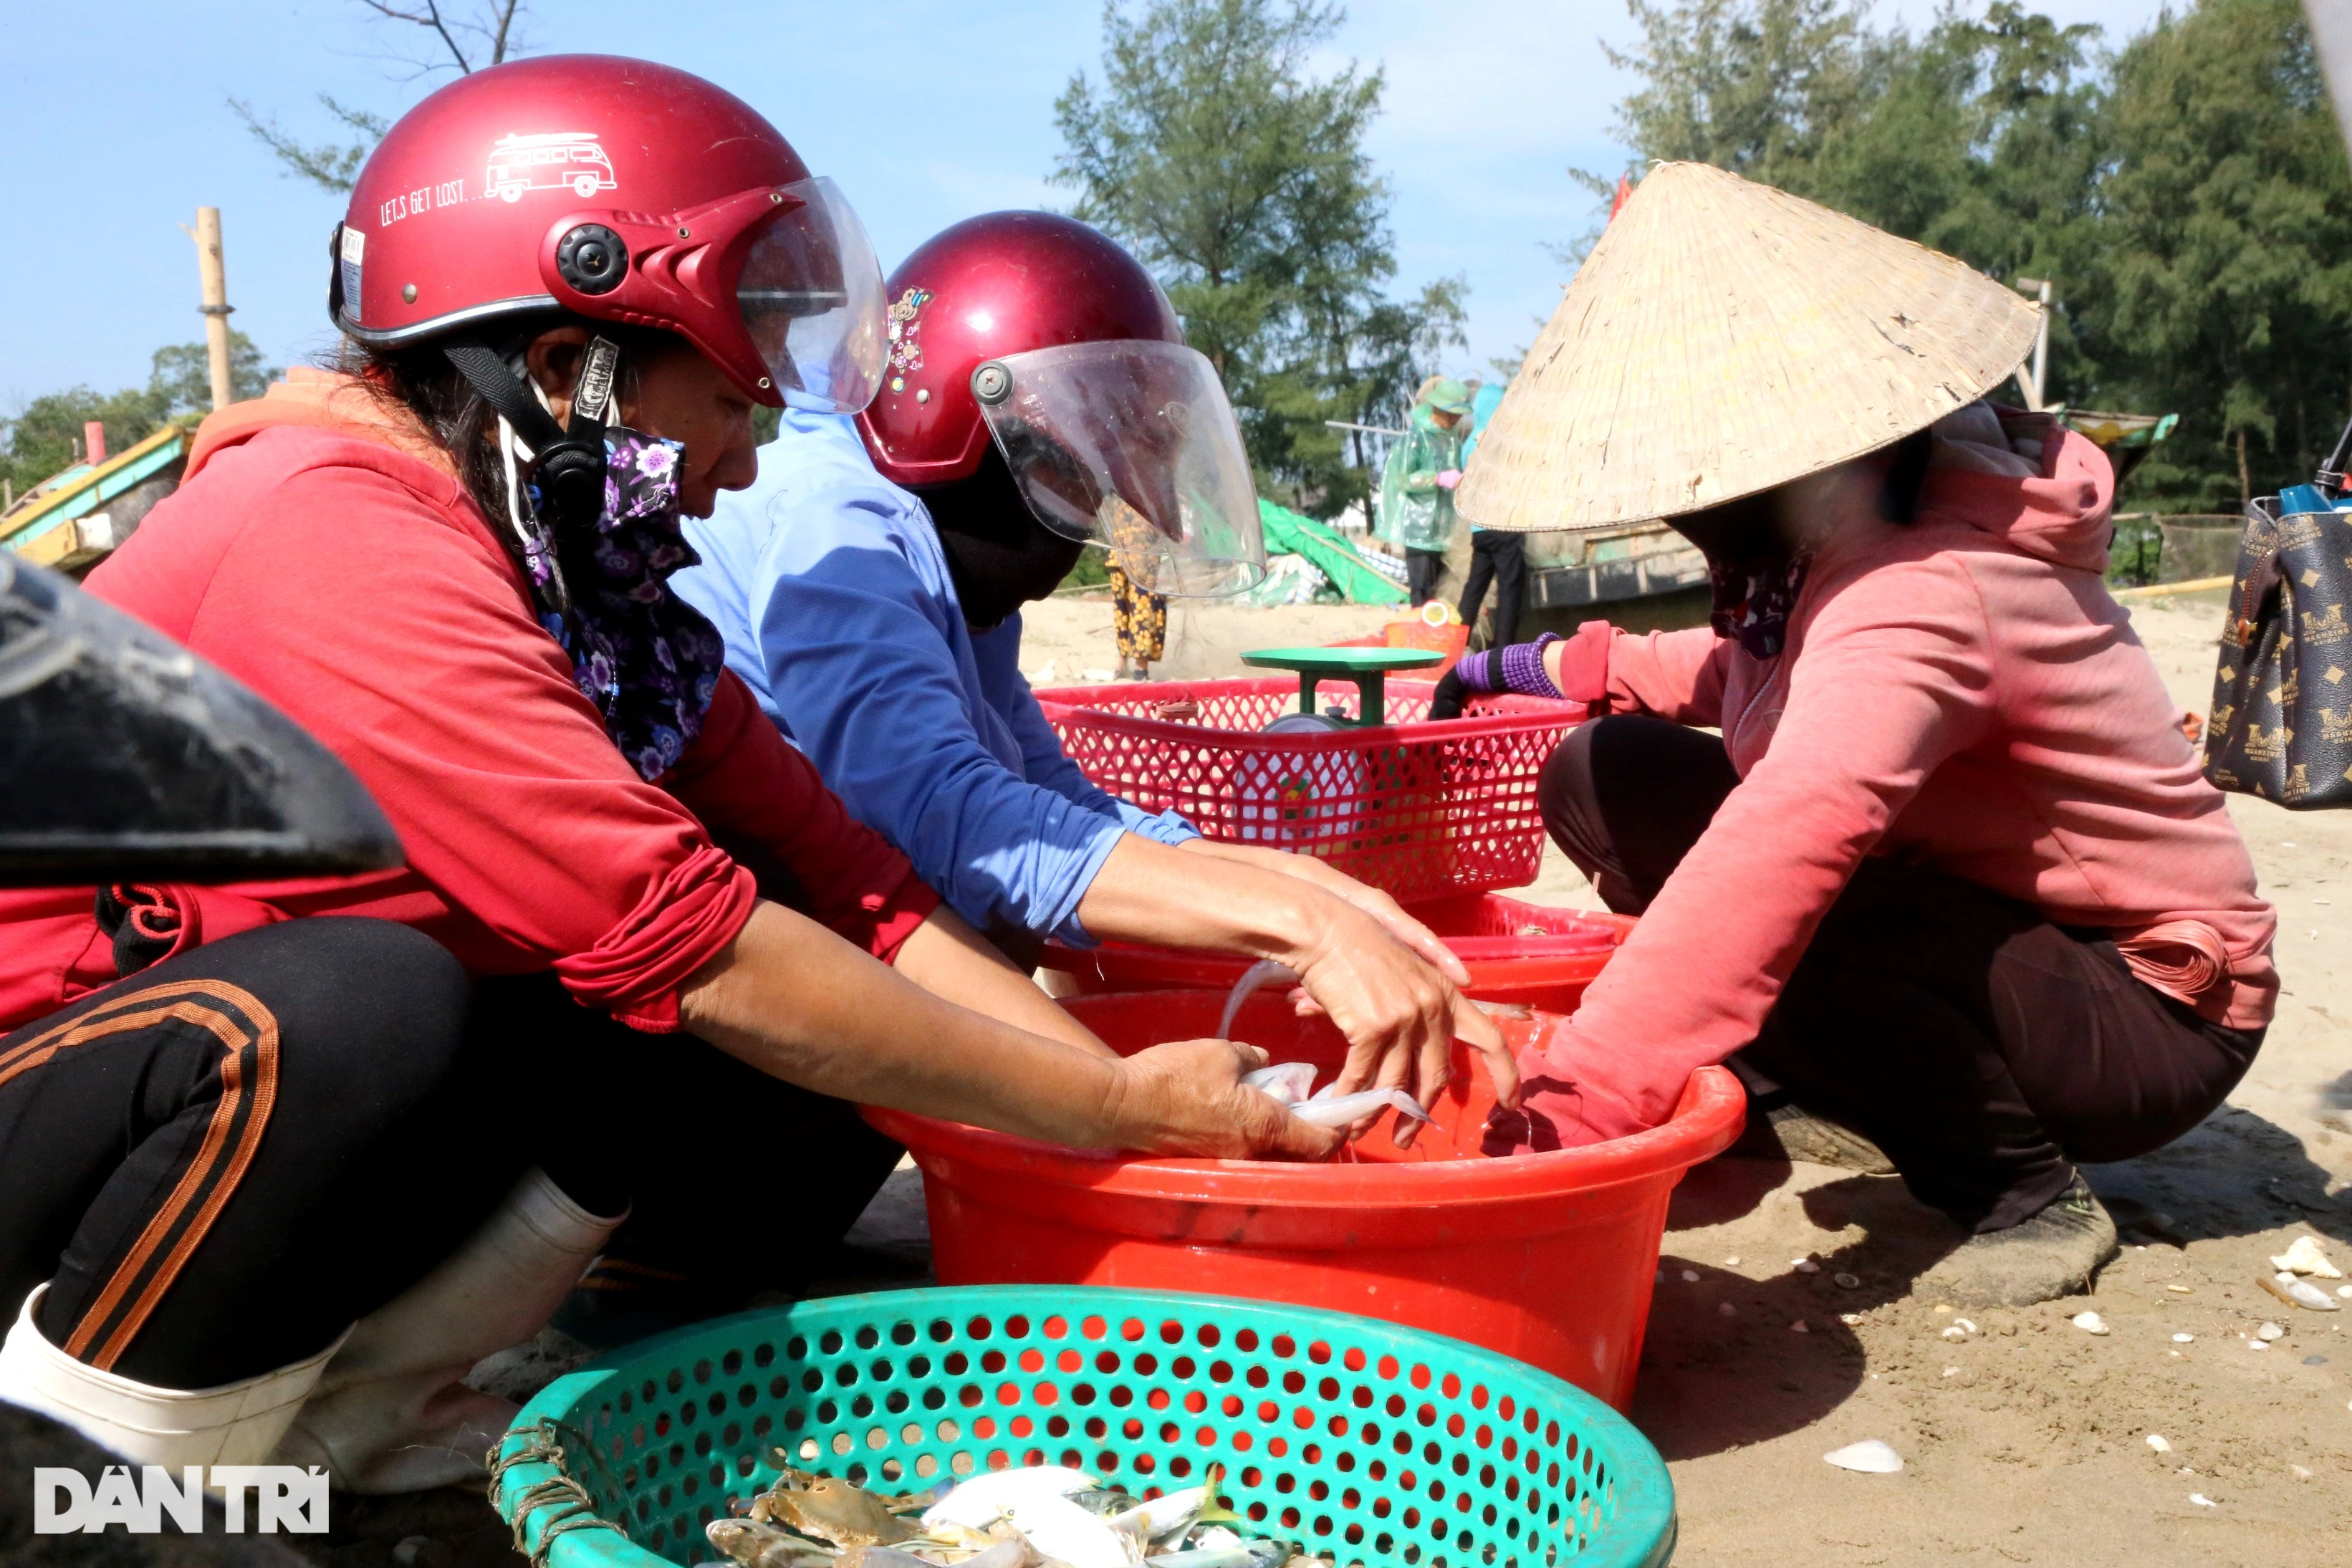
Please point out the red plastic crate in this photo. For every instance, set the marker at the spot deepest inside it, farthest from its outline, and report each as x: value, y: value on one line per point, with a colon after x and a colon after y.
x: 1420, y: 808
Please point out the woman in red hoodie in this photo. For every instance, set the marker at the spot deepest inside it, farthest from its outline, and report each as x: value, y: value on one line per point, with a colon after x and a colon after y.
x: 1949, y: 876
x: 282, y: 1162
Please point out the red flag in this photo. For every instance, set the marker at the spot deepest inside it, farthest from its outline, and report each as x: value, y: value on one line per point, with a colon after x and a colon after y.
x: 1624, y: 189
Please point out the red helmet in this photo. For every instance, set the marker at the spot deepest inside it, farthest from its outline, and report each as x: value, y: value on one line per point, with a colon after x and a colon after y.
x: 621, y: 191
x: 1036, y: 332
x: 998, y: 284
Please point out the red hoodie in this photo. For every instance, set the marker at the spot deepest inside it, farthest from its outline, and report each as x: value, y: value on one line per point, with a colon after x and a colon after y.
x: 322, y: 552
x: 1962, y: 692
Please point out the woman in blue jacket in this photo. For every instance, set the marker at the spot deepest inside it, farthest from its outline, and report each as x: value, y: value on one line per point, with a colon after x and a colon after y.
x: 869, y: 585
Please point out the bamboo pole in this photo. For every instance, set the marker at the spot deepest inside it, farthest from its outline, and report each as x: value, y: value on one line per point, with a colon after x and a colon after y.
x: 216, y: 307
x: 2037, y: 395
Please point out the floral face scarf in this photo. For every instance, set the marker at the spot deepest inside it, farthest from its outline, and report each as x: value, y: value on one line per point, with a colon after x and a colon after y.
x: 643, y: 656
x: 1752, y: 602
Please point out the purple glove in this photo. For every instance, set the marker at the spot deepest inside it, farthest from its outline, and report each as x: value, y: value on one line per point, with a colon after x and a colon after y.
x: 1514, y: 667
x: 1448, y: 478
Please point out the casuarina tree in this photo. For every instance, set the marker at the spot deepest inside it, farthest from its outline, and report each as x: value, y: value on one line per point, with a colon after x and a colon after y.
x: 1212, y: 147
x: 2187, y: 196
x: 45, y: 437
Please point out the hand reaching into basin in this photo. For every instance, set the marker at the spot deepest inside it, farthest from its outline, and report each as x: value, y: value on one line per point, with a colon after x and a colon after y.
x: 797, y: 1002
x: 1380, y: 976
x: 1187, y: 1098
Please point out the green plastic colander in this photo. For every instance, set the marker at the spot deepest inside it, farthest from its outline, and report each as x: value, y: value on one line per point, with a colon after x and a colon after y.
x: 1366, y: 1443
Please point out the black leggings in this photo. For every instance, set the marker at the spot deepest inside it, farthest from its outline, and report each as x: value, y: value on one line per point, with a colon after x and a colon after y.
x: 220, y: 1162
x: 1983, y: 1048
x: 1500, y: 558
x: 1420, y: 570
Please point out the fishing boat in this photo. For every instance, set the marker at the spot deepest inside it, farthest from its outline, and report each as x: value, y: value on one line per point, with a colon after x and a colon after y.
x: 1579, y: 572
x: 74, y: 519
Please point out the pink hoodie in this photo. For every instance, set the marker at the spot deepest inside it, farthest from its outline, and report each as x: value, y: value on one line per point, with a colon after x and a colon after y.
x: 1962, y: 692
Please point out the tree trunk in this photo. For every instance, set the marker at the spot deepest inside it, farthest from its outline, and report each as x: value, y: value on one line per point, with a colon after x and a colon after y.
x: 2245, y: 481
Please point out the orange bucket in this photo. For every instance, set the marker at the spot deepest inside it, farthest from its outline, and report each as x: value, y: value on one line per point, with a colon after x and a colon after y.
x: 1546, y: 1257
x: 1518, y: 954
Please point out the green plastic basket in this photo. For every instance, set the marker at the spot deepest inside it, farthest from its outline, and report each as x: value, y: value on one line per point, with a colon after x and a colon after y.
x: 1366, y: 1443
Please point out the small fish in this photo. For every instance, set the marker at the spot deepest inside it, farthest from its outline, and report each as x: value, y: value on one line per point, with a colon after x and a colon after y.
x: 1209, y: 1536
x: 1264, y: 972
x: 947, y: 1537
x: 880, y: 1557
x: 1248, y: 1554
x: 1341, y: 1110
x: 1289, y: 1083
x: 980, y: 1501
x: 758, y: 1546
x: 1106, y: 1500
x: 1014, y: 1553
x: 1058, y: 1528
x: 1176, y: 1512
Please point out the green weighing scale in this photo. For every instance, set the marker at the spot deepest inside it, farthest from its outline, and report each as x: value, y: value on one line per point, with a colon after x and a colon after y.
x: 1368, y: 667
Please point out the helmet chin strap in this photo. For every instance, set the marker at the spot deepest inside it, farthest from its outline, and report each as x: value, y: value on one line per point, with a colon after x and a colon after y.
x: 567, y: 462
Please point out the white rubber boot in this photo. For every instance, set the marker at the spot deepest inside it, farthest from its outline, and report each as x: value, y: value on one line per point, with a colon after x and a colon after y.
x: 393, y: 1412
x: 235, y: 1424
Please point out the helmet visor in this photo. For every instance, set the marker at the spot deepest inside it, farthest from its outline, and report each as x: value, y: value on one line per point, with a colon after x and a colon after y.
x: 1130, y: 444
x: 811, y: 294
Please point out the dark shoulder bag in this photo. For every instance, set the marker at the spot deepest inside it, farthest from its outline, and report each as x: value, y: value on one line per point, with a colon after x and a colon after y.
x: 2282, y: 721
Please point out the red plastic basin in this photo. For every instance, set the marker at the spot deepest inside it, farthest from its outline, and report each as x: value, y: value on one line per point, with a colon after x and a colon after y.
x: 1517, y: 953
x: 1546, y: 1257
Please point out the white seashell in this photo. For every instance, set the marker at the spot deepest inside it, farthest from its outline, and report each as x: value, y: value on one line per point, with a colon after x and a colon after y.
x: 2158, y: 1444
x: 1964, y: 1323
x: 2301, y: 1473
x: 2090, y: 1322
x: 1799, y: 1327
x: 2257, y: 1344
x: 1956, y: 1332
x: 2201, y: 1501
x: 1732, y: 1261
x: 2269, y: 1332
x: 1852, y: 1321
x: 1804, y: 1266
x: 2305, y: 1257
x: 2184, y: 1339
x: 1951, y: 1372
x: 2304, y: 1293
x: 1870, y: 1456
x: 2345, y: 1291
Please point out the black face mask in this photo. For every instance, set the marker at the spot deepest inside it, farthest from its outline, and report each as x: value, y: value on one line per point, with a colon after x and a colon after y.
x: 1000, y: 557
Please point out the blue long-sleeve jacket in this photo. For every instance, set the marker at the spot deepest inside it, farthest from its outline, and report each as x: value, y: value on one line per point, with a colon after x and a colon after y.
x: 831, y: 590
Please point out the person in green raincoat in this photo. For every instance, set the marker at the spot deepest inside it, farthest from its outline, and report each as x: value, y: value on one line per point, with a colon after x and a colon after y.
x: 1416, y: 510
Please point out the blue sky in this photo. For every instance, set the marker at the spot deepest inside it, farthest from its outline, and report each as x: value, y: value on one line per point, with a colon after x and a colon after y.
x: 115, y: 126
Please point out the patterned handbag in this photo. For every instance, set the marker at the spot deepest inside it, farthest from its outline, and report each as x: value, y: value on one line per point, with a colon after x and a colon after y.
x: 2282, y: 722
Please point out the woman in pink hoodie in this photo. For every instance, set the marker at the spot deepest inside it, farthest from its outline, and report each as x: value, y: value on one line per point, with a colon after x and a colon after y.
x: 1949, y: 877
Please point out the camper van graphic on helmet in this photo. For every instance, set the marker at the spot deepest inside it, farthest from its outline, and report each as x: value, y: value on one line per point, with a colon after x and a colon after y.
x: 551, y: 161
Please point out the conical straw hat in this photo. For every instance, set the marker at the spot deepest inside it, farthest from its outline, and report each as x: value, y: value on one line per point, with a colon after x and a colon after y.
x: 1724, y: 338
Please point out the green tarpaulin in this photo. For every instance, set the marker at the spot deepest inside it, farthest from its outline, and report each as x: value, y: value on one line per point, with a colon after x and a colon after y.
x: 1293, y: 533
